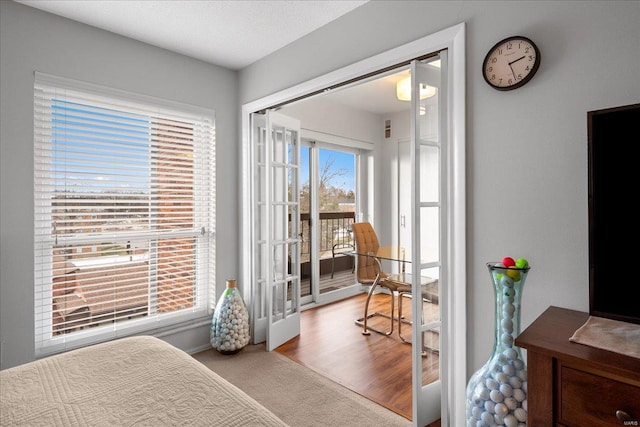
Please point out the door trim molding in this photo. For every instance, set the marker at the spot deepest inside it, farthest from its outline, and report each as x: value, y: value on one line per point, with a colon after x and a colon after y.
x: 336, y: 140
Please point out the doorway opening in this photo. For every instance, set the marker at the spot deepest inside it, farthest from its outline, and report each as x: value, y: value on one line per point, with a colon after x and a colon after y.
x: 453, y: 345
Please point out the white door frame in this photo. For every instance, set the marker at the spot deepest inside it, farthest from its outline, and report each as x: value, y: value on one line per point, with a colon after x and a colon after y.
x: 452, y: 39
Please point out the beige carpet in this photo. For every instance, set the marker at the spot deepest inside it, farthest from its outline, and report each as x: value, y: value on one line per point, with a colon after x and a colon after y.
x: 298, y: 395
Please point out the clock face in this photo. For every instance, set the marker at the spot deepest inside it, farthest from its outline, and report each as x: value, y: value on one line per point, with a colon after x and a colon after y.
x: 511, y: 63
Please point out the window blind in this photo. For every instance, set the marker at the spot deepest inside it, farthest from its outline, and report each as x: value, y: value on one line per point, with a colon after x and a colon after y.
x: 124, y: 213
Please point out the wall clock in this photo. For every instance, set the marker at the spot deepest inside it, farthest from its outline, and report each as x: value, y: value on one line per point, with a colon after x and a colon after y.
x: 511, y: 63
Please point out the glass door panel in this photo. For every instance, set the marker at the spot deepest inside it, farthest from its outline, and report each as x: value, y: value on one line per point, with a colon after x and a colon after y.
x: 428, y: 223
x: 307, y: 256
x: 336, y: 198
x: 327, y: 204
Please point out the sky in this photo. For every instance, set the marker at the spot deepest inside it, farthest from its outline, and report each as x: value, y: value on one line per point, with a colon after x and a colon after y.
x: 342, y: 161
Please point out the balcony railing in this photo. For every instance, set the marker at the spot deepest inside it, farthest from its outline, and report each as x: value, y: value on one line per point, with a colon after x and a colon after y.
x: 334, y: 228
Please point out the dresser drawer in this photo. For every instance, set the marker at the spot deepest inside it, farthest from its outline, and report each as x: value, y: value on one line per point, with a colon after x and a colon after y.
x: 586, y: 399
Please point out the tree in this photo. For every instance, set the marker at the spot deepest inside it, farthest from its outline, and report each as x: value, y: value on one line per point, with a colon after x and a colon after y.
x: 329, y: 195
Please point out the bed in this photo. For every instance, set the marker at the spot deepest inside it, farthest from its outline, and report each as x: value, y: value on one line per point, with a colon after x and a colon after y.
x: 141, y: 381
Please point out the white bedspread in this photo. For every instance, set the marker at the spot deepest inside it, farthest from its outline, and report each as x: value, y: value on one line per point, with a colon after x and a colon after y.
x: 137, y: 381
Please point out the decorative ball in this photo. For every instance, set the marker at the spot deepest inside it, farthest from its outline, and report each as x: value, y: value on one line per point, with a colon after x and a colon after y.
x: 492, y: 384
x: 519, y: 395
x: 507, y: 325
x: 508, y: 262
x: 502, y: 377
x: 496, y: 396
x: 501, y: 409
x: 511, y: 403
x: 510, y: 421
x: 508, y: 369
x: 507, y: 281
x: 515, y: 382
x: 506, y: 390
x: 477, y: 412
x: 520, y: 414
x: 483, y: 393
x: 522, y: 263
x: 487, y: 418
x: 512, y: 355
x: 514, y: 274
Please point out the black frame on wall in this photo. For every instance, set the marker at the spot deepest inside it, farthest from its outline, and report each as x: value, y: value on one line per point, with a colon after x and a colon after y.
x: 614, y: 178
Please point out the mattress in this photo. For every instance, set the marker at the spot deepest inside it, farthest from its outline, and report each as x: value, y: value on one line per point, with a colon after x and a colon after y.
x: 136, y: 381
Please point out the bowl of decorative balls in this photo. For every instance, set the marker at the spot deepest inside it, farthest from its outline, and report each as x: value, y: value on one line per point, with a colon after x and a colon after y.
x: 497, y: 392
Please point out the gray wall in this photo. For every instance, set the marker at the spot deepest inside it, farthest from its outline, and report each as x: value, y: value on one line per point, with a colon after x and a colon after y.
x: 32, y: 40
x: 526, y: 149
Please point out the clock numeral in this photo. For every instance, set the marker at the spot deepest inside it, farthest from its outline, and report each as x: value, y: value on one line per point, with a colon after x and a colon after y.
x: 526, y: 49
x: 509, y: 46
x: 489, y: 69
x: 499, y: 51
x: 494, y: 60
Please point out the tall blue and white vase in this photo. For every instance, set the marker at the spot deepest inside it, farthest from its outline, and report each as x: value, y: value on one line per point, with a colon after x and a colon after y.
x: 497, y: 392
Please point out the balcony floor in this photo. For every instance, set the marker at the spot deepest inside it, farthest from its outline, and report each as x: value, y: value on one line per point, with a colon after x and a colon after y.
x: 341, y: 279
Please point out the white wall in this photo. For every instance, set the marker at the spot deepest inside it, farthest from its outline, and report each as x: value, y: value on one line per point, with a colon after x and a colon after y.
x: 336, y: 119
x: 526, y: 149
x: 32, y: 40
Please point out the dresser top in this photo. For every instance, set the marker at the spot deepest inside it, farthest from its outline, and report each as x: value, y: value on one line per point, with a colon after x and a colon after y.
x: 549, y: 335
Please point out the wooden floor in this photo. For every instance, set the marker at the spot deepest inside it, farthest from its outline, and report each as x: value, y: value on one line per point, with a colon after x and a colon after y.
x: 376, y: 366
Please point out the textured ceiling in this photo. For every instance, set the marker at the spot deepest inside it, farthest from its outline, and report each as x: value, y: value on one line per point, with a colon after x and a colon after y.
x: 232, y: 34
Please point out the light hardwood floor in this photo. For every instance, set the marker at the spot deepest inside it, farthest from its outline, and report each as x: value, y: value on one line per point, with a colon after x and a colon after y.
x: 375, y: 366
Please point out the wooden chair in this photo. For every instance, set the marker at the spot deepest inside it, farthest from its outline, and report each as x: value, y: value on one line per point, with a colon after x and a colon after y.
x: 369, y: 272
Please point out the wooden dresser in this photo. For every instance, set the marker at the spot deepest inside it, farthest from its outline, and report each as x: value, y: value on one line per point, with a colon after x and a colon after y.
x: 572, y: 384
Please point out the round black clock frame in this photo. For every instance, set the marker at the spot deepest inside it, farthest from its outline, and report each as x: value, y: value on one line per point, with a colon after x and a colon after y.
x: 522, y: 66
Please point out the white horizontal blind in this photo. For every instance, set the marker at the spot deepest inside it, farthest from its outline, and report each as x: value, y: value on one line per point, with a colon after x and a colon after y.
x: 124, y: 213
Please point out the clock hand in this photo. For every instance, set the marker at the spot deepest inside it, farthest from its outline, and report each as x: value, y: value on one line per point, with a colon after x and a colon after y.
x: 516, y: 60
x: 513, y: 72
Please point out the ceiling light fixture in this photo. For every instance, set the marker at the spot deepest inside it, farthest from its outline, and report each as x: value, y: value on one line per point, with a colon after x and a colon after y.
x: 403, y: 90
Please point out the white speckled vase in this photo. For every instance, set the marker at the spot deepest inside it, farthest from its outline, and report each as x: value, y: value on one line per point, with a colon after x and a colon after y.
x: 230, y: 322
x: 497, y: 392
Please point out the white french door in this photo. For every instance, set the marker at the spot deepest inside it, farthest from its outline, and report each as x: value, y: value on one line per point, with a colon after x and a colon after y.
x: 276, y: 260
x: 424, y: 224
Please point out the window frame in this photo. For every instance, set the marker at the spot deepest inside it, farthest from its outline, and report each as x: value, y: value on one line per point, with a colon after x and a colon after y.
x: 202, y: 230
